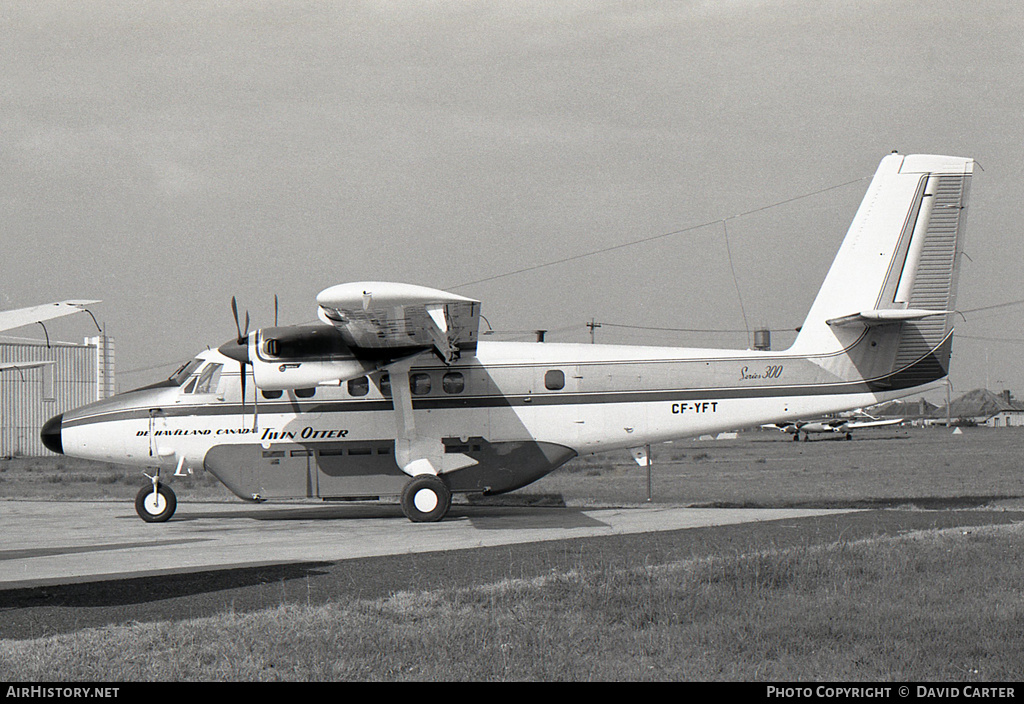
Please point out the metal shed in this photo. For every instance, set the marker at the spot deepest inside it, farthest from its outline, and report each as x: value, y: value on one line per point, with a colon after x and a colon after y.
x: 68, y: 375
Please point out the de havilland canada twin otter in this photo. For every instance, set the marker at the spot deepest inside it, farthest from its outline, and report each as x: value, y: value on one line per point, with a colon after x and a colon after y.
x: 393, y: 394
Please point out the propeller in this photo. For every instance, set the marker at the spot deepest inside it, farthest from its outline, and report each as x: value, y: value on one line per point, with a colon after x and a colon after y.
x: 234, y: 310
x: 240, y: 351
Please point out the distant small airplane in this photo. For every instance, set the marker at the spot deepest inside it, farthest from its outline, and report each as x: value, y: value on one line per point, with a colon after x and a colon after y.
x: 392, y: 393
x: 20, y: 317
x: 830, y: 425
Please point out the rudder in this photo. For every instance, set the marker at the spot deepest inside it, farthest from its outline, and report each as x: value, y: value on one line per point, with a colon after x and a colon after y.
x: 898, y: 267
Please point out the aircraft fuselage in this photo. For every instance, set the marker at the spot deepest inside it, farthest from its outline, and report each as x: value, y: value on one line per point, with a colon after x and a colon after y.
x: 519, y: 410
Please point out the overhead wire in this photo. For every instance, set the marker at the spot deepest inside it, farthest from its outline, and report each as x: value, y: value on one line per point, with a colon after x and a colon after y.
x: 708, y: 330
x: 993, y: 307
x: 654, y: 238
x: 735, y: 281
x: 692, y: 228
x: 644, y: 240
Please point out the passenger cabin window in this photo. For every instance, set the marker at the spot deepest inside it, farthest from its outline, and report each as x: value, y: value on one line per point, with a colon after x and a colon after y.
x: 358, y: 387
x: 385, y: 385
x: 208, y: 379
x: 305, y: 393
x: 453, y: 383
x: 419, y: 383
x: 554, y: 380
x: 272, y: 393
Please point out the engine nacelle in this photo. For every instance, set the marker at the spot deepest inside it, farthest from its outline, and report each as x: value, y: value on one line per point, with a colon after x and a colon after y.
x: 302, y: 357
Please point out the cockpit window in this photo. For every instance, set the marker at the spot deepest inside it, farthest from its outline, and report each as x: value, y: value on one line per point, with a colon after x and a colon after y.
x: 208, y: 379
x: 185, y: 371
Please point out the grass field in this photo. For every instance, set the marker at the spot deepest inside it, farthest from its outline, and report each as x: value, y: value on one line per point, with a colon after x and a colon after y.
x: 883, y: 467
x: 928, y: 606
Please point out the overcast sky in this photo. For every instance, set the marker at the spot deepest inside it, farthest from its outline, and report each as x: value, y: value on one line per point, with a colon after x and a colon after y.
x: 165, y: 156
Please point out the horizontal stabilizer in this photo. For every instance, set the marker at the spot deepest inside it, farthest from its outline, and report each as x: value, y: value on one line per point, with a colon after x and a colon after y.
x: 884, y: 317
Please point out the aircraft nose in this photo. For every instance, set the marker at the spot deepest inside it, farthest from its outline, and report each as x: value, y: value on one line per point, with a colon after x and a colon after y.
x: 236, y: 349
x: 50, y: 434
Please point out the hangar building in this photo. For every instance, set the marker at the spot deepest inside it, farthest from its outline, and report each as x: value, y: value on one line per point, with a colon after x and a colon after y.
x: 69, y: 375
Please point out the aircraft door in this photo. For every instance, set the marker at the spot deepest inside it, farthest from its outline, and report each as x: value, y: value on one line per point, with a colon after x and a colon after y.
x: 254, y: 472
x: 285, y: 472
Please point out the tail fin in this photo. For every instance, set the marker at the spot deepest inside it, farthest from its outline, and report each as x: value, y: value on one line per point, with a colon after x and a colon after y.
x: 897, y: 268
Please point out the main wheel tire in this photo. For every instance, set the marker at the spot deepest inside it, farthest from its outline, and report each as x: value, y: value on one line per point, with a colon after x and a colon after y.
x: 155, y: 506
x: 426, y: 499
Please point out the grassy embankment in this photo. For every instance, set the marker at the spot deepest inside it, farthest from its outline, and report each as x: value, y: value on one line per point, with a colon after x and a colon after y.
x: 937, y: 606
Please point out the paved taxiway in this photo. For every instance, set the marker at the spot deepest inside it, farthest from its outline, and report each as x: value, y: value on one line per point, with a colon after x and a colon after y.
x: 49, y: 543
x: 69, y: 566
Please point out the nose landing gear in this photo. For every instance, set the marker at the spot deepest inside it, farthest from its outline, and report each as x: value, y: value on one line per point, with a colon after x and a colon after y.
x: 156, y: 503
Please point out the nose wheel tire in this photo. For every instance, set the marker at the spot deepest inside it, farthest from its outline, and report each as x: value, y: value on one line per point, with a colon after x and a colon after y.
x: 426, y: 499
x: 155, y: 504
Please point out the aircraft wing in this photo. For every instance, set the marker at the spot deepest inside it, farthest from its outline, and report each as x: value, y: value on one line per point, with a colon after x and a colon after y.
x: 378, y: 315
x: 10, y: 319
x: 784, y: 427
x: 7, y: 366
x: 873, y: 423
x: 822, y: 425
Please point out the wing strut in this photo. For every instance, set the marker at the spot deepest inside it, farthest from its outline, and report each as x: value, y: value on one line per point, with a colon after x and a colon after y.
x: 443, y: 342
x: 417, y: 454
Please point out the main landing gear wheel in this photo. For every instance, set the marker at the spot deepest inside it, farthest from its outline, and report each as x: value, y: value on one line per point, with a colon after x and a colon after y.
x: 426, y: 499
x: 155, y: 504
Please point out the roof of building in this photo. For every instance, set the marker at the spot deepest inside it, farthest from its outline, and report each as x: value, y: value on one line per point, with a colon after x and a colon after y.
x: 982, y: 403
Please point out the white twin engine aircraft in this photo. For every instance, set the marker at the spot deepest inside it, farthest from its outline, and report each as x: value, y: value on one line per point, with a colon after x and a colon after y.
x: 841, y: 426
x: 393, y: 394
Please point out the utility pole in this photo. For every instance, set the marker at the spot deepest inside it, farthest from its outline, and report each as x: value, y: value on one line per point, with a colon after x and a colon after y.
x: 592, y: 325
x: 649, y: 480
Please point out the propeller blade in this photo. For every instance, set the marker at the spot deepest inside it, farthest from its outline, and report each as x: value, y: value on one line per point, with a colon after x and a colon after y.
x: 255, y: 408
x: 234, y: 311
x: 238, y: 328
x: 241, y: 369
x: 243, y: 339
